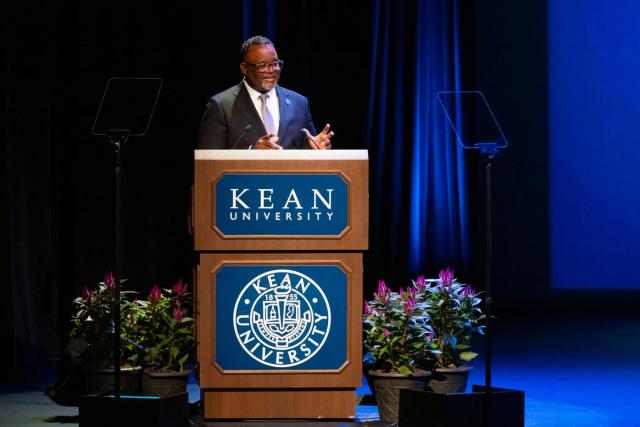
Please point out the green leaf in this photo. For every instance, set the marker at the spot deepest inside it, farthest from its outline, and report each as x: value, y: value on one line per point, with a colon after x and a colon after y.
x: 405, y: 370
x: 468, y: 355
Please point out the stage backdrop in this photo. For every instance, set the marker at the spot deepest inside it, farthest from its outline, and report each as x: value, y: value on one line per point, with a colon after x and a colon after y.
x: 58, y: 182
x: 594, y: 103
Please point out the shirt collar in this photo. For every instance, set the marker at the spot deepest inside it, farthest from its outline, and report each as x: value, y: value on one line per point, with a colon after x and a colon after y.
x: 254, y: 94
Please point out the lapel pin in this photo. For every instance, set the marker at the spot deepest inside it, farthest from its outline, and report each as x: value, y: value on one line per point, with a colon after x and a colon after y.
x: 287, y: 101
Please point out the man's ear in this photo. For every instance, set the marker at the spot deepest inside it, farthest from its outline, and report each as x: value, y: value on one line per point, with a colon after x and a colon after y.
x: 243, y: 69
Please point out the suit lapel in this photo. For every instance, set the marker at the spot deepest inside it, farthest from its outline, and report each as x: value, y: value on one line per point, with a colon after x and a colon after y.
x: 245, y: 106
x: 286, y: 111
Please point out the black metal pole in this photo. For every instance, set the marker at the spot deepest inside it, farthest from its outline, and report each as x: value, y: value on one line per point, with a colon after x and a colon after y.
x: 488, y: 157
x: 118, y: 141
x: 488, y: 255
x: 116, y: 302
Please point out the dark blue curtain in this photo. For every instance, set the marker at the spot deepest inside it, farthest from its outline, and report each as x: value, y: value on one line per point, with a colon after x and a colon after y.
x: 418, y: 197
x: 259, y: 17
x: 372, y: 74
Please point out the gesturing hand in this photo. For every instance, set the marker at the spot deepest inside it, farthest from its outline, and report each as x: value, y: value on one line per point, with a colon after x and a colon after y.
x: 267, y: 142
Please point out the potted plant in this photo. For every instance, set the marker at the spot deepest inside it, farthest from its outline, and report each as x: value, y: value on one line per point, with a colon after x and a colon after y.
x: 397, y: 342
x: 91, y: 339
x: 455, y: 316
x: 165, y: 330
x: 421, y: 330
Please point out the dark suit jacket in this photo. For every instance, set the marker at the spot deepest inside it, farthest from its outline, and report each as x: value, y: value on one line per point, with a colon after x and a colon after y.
x: 228, y: 114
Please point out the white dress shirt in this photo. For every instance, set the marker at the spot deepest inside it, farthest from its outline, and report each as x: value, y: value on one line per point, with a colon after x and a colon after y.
x: 272, y: 104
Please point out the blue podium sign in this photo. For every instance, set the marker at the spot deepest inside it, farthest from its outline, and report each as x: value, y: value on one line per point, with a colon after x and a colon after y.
x: 277, y: 204
x: 280, y: 317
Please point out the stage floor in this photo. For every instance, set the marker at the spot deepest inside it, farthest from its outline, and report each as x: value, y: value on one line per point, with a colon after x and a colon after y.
x: 575, y: 370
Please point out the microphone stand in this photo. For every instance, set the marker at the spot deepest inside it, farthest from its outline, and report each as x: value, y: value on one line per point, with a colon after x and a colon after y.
x: 246, y: 130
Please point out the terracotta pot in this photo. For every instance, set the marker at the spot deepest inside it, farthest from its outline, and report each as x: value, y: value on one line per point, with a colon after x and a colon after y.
x: 387, y: 388
x: 165, y: 384
x: 449, y: 380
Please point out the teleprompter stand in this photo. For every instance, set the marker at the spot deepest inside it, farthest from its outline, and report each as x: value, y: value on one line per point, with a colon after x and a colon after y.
x: 476, y: 128
x: 126, y: 110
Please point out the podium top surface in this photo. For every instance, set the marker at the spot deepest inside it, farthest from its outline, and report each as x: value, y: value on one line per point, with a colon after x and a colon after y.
x: 281, y: 154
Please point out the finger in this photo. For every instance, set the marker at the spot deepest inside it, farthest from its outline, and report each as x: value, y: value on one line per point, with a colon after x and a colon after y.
x: 272, y: 143
x: 266, y: 139
x: 331, y: 134
x: 326, y: 128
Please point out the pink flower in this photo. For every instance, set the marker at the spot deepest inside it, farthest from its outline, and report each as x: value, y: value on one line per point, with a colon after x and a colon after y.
x: 383, y: 293
x: 155, y: 295
x: 382, y: 287
x: 180, y: 288
x: 177, y: 314
x: 409, y: 298
x: 86, y: 294
x: 367, y: 309
x: 109, y: 279
x: 421, y: 283
x: 410, y: 304
x: 386, y: 333
x: 467, y: 291
x: 446, y: 277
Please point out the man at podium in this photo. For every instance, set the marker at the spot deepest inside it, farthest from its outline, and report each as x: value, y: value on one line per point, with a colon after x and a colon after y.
x: 257, y: 113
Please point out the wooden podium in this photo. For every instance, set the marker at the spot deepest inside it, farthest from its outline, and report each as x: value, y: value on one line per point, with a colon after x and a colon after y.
x: 280, y: 236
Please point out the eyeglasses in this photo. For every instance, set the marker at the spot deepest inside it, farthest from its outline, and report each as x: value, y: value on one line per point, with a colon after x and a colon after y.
x: 263, y: 66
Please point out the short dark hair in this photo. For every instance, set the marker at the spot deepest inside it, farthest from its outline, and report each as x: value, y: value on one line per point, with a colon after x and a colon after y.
x: 252, y: 41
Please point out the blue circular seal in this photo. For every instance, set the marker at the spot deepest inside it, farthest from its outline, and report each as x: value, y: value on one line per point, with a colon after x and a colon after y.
x: 282, y: 318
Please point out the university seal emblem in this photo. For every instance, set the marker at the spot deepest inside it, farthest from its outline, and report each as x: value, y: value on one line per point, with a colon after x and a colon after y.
x: 282, y: 318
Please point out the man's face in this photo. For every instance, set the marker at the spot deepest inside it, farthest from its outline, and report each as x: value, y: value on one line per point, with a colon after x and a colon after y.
x: 260, y: 54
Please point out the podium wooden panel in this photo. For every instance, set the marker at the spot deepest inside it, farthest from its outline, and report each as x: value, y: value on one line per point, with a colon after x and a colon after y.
x: 280, y: 404
x: 284, y: 392
x: 352, y: 165
x: 259, y: 394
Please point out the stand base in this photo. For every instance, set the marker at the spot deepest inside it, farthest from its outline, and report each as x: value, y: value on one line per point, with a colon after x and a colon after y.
x: 130, y: 411
x: 500, y: 408
x: 279, y: 404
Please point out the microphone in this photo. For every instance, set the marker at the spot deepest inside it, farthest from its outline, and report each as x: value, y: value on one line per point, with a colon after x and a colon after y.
x: 304, y: 132
x: 246, y: 130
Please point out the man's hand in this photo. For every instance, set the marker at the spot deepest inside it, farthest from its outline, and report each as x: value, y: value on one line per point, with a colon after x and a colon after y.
x: 267, y: 142
x: 321, y: 141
